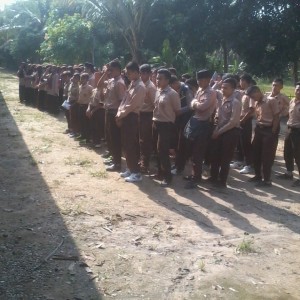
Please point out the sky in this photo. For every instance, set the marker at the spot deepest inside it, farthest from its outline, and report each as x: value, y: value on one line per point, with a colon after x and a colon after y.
x: 5, y: 2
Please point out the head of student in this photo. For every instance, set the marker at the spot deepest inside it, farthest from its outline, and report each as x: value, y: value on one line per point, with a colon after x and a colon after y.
x: 297, y: 91
x: 175, y: 83
x: 255, y: 93
x: 115, y: 68
x: 245, y: 81
x: 203, y: 78
x: 145, y: 72
x: 228, y: 87
x: 277, y: 86
x: 76, y: 78
x: 84, y: 78
x: 132, y: 71
x: 89, y: 68
x: 163, y: 78
x: 192, y: 84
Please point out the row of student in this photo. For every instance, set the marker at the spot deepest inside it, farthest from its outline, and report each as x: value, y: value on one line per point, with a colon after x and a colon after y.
x: 201, y: 120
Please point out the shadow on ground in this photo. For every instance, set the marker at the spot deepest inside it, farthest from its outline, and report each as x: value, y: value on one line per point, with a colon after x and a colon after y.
x: 32, y: 229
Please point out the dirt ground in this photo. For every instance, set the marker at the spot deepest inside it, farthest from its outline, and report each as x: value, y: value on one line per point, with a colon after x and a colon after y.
x: 70, y: 230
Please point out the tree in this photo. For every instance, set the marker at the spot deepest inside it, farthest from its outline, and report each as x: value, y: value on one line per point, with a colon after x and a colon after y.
x: 68, y: 40
x: 129, y: 18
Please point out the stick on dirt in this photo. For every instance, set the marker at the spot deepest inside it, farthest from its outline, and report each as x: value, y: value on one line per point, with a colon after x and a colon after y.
x: 50, y: 255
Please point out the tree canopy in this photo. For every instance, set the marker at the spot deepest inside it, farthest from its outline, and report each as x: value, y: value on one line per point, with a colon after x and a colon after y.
x: 261, y: 37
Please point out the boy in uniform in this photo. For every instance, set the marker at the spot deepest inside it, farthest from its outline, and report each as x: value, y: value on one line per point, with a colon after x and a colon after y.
x: 292, y: 139
x: 264, y: 143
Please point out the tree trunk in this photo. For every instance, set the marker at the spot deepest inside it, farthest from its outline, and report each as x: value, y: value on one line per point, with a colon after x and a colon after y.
x: 225, y: 56
x: 295, y: 70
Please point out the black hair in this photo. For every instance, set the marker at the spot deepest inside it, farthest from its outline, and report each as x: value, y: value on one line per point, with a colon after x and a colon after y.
x: 247, y: 78
x: 278, y: 80
x: 173, y: 71
x: 145, y: 68
x: 173, y: 79
x: 192, y: 82
x: 252, y: 89
x: 115, y: 65
x: 166, y: 73
x: 133, y: 66
x: 230, y: 81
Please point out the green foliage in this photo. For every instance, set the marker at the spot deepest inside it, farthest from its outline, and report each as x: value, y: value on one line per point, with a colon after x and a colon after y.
x: 166, y: 54
x: 68, y: 40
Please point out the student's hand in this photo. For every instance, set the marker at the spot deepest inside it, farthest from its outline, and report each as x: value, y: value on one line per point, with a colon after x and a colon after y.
x: 215, y: 135
x: 118, y: 122
x: 88, y: 113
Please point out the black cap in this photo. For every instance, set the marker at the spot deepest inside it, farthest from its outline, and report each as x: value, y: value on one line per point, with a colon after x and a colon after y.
x: 89, y: 65
x: 203, y: 74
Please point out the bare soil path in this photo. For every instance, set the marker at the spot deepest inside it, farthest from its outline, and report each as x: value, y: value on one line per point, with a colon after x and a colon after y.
x: 111, y: 239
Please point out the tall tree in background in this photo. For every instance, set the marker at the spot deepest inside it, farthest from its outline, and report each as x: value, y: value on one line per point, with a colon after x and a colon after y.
x: 129, y: 18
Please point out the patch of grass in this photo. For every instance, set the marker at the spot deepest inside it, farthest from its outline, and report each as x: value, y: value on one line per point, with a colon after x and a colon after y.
x: 42, y: 149
x: 265, y: 86
x: 245, y: 247
x: 82, y: 162
x: 202, y: 266
x: 56, y: 183
x: 32, y: 162
x: 99, y: 174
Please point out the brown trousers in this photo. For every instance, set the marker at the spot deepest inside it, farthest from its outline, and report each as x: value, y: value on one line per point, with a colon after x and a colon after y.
x: 292, y: 149
x: 244, y: 146
x: 74, y: 122
x: 41, y: 100
x: 114, y: 136
x: 97, y: 123
x: 264, y: 149
x: 84, y: 122
x: 162, y: 135
x: 146, y: 140
x: 130, y: 142
x: 222, y: 153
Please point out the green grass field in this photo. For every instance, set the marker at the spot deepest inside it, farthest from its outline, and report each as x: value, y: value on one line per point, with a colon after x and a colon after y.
x: 288, y: 88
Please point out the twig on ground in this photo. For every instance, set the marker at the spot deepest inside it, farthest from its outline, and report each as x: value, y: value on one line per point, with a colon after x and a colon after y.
x: 45, y: 260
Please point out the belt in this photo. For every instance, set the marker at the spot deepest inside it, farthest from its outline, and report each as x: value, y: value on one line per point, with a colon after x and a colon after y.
x: 263, y: 126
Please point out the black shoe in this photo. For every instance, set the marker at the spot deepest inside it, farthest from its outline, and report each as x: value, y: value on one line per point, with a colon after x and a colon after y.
x: 188, y: 177
x: 211, y: 180
x: 191, y: 185
x: 296, y: 183
x: 285, y: 176
x: 255, y: 179
x: 114, y: 168
x: 157, y: 176
x: 264, y: 184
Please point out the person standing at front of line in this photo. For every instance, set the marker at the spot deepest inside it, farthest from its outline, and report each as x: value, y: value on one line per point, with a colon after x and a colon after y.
x: 264, y: 143
x: 128, y: 119
x: 226, y: 133
x: 167, y: 107
x: 292, y: 139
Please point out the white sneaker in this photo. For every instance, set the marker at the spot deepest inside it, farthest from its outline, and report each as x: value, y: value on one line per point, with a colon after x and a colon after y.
x: 246, y: 170
x: 236, y: 165
x: 125, y: 174
x: 134, y: 177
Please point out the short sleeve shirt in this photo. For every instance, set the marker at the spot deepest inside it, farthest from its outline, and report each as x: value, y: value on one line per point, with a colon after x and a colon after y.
x: 167, y: 103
